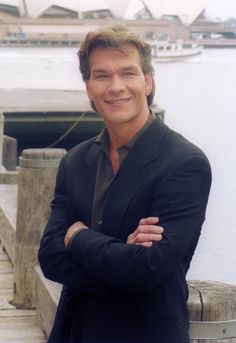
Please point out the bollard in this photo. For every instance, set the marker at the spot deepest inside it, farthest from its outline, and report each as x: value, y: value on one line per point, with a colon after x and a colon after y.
x: 1, y: 137
x: 9, y: 153
x: 212, y: 312
x: 36, y: 181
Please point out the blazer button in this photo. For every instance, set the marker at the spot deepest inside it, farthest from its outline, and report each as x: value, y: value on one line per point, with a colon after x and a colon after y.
x: 100, y: 222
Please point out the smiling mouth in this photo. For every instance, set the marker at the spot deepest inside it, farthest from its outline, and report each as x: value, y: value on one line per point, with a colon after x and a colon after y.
x: 117, y: 101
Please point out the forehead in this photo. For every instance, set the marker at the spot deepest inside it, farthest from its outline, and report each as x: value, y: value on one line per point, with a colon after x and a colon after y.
x: 107, y: 56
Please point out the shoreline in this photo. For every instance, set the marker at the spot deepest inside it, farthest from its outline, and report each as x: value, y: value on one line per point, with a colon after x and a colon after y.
x: 206, y: 43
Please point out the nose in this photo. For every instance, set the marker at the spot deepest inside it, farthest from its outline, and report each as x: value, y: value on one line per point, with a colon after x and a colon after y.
x: 117, y: 84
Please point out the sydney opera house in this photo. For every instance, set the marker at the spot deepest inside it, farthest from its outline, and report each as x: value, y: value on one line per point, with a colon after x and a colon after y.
x: 186, y: 11
x: 68, y: 20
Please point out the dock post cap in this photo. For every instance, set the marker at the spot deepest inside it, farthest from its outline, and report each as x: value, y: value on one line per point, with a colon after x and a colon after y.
x: 41, y: 158
x: 212, y: 311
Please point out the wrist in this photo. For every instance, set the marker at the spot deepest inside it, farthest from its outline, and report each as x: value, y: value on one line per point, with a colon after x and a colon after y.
x: 72, y: 232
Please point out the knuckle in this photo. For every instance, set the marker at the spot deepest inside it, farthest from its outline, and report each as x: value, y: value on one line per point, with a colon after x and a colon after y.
x: 139, y: 237
x: 142, y: 221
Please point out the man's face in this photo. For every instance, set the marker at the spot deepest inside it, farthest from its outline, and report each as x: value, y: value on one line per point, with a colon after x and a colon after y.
x: 117, y: 85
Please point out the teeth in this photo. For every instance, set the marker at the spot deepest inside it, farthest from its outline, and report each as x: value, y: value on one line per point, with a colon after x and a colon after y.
x: 118, y: 101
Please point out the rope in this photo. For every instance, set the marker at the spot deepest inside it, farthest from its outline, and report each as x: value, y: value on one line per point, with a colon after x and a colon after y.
x: 68, y: 131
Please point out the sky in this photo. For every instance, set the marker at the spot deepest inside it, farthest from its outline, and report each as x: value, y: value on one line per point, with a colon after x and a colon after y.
x: 223, y: 9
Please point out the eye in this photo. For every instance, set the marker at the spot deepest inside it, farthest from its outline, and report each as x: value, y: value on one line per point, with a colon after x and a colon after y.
x: 101, y: 77
x: 129, y: 74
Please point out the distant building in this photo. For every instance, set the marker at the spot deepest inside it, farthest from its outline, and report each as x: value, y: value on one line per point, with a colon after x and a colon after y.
x: 206, y: 20
x: 184, y: 11
x: 10, y: 8
x: 66, y: 21
x: 230, y: 23
x: 64, y: 8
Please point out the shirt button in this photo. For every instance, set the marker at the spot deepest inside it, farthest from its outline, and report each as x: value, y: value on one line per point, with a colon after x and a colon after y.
x: 100, y: 222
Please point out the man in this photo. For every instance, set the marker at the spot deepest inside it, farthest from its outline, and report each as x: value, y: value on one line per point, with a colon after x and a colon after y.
x: 128, y: 209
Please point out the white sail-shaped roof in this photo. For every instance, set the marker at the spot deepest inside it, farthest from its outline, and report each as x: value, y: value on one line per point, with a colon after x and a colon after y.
x: 68, y: 4
x: 186, y: 10
x: 16, y: 9
x: 9, y: 3
x: 91, y: 5
x: 37, y: 8
x: 117, y: 7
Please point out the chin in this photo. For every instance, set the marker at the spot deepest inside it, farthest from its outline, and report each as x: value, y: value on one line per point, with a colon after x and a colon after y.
x: 120, y: 118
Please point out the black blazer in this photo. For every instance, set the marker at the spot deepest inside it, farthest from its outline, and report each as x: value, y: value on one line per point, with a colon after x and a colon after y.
x: 116, y: 292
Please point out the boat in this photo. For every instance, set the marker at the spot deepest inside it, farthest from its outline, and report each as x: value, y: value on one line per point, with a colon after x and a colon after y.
x: 167, y: 51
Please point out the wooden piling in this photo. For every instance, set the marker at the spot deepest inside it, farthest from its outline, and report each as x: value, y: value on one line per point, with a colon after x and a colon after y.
x: 9, y: 153
x: 36, y: 181
x: 1, y: 137
x: 212, y: 312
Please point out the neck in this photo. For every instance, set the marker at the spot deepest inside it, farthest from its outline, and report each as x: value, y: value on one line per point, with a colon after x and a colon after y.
x: 121, y: 134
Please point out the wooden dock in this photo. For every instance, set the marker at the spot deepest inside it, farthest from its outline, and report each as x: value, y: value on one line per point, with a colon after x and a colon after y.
x: 16, y: 325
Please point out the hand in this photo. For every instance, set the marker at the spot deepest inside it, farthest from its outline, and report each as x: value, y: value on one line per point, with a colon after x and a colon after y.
x: 146, y: 233
x: 72, y: 229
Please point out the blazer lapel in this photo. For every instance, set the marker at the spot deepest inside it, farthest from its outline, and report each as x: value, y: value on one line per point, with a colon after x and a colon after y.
x: 131, y: 176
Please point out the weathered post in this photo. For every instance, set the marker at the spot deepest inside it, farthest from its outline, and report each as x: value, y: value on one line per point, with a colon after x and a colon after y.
x: 212, y: 312
x: 9, y: 153
x: 1, y: 137
x: 36, y: 182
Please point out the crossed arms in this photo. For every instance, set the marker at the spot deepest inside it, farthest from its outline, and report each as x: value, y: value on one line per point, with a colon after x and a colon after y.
x: 146, y: 233
x: 94, y: 261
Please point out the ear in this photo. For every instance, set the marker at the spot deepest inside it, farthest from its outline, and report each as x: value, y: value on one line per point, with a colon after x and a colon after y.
x: 148, y: 84
x: 88, y: 89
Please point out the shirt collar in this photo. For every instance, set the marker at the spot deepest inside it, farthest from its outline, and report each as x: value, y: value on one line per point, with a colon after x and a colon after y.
x: 102, y: 139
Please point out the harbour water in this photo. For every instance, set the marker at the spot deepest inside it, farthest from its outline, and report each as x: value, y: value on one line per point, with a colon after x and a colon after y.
x: 199, y: 98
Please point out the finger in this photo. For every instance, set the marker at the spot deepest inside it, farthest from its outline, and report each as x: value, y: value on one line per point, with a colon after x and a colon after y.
x: 145, y: 244
x: 149, y: 221
x: 149, y: 229
x: 142, y: 237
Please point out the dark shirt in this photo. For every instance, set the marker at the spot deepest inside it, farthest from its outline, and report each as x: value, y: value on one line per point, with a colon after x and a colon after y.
x: 105, y: 175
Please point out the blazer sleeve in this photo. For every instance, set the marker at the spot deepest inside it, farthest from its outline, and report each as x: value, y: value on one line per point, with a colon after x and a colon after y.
x: 55, y: 260
x: 179, y: 200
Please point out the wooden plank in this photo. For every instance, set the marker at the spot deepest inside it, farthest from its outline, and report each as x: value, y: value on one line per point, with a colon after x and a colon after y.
x: 20, y: 326
x: 5, y: 267
x: 6, y: 290
x: 3, y: 257
x: 6, y: 280
x: 5, y: 300
x: 12, y: 322
x: 27, y: 100
x: 16, y: 325
x: 21, y: 334
x: 17, y: 313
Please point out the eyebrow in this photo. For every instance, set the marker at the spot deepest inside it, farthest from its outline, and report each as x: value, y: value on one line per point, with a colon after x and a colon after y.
x: 127, y: 68
x: 98, y: 71
x: 131, y: 67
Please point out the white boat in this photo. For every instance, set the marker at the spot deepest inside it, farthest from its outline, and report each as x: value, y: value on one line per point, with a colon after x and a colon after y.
x: 167, y: 51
